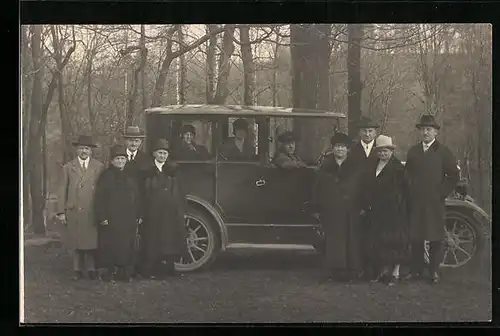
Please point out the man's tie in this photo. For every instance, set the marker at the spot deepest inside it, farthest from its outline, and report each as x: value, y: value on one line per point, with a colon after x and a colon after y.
x: 84, y: 167
x: 426, y: 147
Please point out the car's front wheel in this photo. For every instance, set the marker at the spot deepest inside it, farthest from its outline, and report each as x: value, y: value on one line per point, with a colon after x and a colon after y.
x: 463, y: 240
x: 203, y: 242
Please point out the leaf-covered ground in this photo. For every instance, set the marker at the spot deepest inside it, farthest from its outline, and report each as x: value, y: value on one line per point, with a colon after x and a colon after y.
x: 246, y: 287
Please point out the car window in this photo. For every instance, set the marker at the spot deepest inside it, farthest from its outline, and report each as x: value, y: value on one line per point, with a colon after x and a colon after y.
x: 193, y: 141
x: 233, y: 150
x: 276, y: 127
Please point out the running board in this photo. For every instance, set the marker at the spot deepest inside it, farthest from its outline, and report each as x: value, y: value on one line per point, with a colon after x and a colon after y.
x: 271, y: 246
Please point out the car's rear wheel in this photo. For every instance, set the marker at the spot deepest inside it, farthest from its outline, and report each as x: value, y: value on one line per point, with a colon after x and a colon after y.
x: 463, y: 240
x: 203, y: 242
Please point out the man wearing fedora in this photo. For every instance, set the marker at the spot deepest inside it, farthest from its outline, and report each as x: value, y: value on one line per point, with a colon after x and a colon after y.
x: 135, y: 157
x: 363, y: 153
x: 364, y: 150
x: 431, y: 169
x: 75, y: 206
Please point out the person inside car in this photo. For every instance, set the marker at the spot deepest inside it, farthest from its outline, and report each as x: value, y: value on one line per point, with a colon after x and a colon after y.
x: 188, y: 148
x: 240, y: 147
x: 286, y: 157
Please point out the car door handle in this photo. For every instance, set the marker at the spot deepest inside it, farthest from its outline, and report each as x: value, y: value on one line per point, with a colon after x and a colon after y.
x: 260, y: 183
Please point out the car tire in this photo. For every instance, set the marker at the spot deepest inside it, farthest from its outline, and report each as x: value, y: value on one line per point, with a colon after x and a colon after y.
x: 203, y: 242
x: 464, y: 239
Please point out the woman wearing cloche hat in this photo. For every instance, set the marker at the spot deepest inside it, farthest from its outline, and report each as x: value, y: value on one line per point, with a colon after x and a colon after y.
x: 117, y: 212
x: 383, y: 204
x: 163, y: 233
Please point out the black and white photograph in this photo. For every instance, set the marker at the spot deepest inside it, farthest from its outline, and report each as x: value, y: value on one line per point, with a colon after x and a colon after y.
x: 255, y: 173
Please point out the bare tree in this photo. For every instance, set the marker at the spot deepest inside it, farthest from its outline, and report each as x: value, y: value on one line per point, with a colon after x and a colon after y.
x: 34, y: 144
x: 248, y: 66
x: 222, y: 90
x: 354, y: 85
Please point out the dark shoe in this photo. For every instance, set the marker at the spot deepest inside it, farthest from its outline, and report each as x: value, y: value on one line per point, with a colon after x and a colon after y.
x: 91, y: 275
x: 77, y: 276
x: 435, y: 278
x: 392, y: 280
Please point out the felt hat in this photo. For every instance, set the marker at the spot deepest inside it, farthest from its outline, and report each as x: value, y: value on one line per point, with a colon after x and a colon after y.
x: 133, y: 132
x: 85, y: 140
x: 287, y: 137
x: 117, y: 150
x: 340, y: 138
x: 161, y: 144
x: 241, y: 124
x: 427, y: 120
x: 365, y: 122
x: 384, y: 141
x: 188, y: 128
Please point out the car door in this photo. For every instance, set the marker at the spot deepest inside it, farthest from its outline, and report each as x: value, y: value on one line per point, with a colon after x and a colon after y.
x: 285, y: 195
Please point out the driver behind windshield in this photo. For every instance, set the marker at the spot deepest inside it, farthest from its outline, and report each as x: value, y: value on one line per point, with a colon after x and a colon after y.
x: 286, y: 157
x: 240, y: 147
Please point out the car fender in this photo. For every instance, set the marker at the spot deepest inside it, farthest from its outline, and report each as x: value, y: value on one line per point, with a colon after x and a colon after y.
x: 477, y: 212
x: 214, y: 213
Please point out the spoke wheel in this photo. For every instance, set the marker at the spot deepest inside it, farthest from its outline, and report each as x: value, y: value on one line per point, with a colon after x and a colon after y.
x: 202, y: 243
x: 460, y: 242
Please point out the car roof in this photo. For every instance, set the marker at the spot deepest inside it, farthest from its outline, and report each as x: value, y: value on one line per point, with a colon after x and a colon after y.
x: 240, y: 110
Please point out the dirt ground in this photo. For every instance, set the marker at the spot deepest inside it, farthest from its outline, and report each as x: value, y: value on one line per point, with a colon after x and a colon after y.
x: 247, y: 287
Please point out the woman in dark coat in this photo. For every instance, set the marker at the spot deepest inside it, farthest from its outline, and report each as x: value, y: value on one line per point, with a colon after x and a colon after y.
x: 163, y: 231
x: 335, y: 196
x: 116, y: 210
x: 384, y: 206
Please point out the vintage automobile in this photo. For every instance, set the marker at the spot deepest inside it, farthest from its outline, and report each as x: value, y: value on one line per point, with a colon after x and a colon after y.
x: 251, y: 203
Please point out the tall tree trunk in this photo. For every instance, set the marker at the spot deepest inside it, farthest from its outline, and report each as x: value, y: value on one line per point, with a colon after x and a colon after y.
x: 222, y: 90
x: 181, y: 87
x: 306, y: 42
x: 144, y: 53
x: 248, y: 66
x: 159, y: 88
x: 90, y: 61
x: 210, y: 66
x: 354, y: 86
x: 25, y: 105
x: 66, y: 127
x: 34, y: 146
x: 274, y: 84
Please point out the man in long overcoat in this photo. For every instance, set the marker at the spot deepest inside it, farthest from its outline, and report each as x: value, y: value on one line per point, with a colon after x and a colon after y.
x: 432, y: 173
x: 136, y: 158
x: 75, y: 206
x: 364, y: 154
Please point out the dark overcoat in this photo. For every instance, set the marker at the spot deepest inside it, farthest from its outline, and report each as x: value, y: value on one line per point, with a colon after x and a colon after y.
x: 357, y: 154
x: 76, y: 199
x: 140, y: 162
x: 163, y: 232
x: 117, y: 201
x: 432, y: 175
x: 229, y: 150
x: 383, y: 198
x: 194, y: 152
x: 335, y: 198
